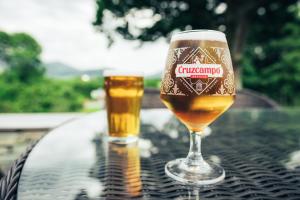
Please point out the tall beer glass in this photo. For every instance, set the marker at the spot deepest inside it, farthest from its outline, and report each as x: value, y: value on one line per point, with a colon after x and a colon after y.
x: 197, y: 86
x: 124, y: 91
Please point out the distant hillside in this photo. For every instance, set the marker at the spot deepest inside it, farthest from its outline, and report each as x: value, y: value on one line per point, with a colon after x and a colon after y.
x: 155, y: 75
x: 61, y: 70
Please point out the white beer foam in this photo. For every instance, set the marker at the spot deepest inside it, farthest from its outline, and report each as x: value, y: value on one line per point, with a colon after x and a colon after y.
x: 117, y: 72
x: 199, y: 35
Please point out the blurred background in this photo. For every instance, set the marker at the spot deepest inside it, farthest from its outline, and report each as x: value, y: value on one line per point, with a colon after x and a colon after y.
x: 53, y: 53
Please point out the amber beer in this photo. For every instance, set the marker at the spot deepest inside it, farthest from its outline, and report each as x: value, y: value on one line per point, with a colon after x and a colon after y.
x: 198, y: 84
x: 197, y: 112
x: 124, y: 92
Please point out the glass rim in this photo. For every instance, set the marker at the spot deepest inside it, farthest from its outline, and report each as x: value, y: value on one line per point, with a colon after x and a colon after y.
x: 199, y: 34
x: 199, y: 30
x: 119, y: 72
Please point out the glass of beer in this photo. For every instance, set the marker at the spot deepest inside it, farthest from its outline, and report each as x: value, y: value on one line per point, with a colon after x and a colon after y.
x: 197, y: 86
x: 124, y: 91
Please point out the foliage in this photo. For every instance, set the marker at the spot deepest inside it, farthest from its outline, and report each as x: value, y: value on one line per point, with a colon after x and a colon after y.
x: 275, y: 70
x: 84, y: 88
x: 150, y: 20
x: 23, y: 86
x: 152, y: 82
x: 22, y: 54
x: 44, y: 96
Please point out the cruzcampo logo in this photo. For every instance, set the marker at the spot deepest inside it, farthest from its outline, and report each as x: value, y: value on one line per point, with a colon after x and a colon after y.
x: 199, y: 70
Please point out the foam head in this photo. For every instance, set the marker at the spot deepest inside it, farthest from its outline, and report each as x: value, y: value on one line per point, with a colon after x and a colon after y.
x: 199, y: 35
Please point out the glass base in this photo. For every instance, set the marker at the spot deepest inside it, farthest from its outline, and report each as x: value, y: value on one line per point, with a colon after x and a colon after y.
x: 122, y: 140
x: 202, y: 174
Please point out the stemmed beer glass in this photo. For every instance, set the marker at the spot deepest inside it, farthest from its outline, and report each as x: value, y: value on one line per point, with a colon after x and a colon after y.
x: 197, y: 86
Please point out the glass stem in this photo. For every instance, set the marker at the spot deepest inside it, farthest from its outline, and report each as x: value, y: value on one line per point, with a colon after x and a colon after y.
x: 194, y: 156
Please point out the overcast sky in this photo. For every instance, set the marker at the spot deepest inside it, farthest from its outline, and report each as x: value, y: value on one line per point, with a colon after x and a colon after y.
x: 64, y: 29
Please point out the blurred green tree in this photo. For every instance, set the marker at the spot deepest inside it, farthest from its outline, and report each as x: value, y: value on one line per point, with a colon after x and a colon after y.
x: 21, y: 53
x: 42, y: 96
x: 275, y: 69
x: 244, y: 22
x: 23, y: 86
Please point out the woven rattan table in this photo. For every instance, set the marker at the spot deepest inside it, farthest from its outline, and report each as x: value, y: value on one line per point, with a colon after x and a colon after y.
x: 260, y: 151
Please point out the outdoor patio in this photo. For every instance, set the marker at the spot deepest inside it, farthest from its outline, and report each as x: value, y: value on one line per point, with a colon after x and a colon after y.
x: 120, y: 100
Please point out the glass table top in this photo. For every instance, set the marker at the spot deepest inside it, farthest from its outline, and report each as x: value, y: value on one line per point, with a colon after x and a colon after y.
x: 259, y: 150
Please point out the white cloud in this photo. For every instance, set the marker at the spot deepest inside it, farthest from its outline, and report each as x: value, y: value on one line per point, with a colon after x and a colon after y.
x: 65, y: 31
